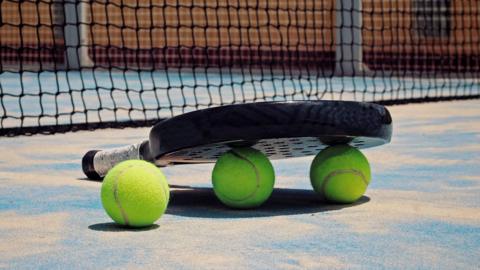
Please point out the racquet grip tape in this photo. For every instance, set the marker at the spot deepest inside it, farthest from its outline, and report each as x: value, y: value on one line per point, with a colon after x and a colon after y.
x: 87, y: 165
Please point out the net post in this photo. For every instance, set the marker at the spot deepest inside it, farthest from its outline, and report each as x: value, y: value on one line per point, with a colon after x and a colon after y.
x: 348, y: 39
x: 76, y: 34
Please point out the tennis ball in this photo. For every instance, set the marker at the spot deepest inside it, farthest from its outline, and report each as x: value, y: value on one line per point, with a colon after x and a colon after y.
x: 243, y: 178
x: 340, y: 174
x: 135, y: 193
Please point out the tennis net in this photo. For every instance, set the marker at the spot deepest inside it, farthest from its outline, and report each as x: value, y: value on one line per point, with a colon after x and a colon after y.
x: 69, y: 65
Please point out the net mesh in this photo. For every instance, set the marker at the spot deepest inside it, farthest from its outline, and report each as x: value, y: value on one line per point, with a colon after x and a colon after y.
x: 68, y: 65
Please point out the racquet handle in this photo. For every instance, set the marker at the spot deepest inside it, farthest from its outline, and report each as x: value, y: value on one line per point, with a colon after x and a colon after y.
x: 96, y: 163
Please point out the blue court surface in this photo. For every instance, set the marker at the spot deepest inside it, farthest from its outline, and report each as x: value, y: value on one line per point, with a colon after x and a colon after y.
x: 421, y: 211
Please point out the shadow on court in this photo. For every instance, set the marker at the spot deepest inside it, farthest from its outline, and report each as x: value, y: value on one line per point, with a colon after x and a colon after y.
x: 202, y: 203
x: 113, y: 227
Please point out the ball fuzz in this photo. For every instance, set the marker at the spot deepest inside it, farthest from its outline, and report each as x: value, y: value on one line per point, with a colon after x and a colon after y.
x: 340, y: 174
x: 135, y: 193
x: 243, y: 178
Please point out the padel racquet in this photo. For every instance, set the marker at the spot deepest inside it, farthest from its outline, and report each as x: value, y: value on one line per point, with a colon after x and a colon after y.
x: 278, y: 129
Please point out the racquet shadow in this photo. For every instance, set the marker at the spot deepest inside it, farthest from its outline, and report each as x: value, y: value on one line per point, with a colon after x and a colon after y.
x: 201, y: 203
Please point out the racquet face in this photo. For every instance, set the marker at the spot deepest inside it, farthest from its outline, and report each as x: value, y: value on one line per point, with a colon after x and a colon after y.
x: 278, y: 148
x: 278, y: 129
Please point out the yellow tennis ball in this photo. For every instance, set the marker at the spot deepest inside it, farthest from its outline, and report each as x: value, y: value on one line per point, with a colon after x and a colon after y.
x: 340, y: 174
x: 135, y: 193
x: 243, y: 178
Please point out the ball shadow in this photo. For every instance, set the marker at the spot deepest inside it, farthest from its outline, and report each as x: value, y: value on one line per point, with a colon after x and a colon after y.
x: 114, y: 227
x: 88, y: 179
x: 201, y: 202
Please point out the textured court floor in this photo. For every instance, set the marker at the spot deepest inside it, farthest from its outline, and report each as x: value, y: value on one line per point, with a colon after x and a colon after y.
x: 421, y: 211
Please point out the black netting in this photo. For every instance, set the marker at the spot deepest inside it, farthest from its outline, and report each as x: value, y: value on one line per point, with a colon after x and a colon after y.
x: 69, y: 65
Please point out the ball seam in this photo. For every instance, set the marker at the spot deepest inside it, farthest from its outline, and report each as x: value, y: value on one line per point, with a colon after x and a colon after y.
x: 115, y: 195
x: 257, y: 178
x: 341, y: 171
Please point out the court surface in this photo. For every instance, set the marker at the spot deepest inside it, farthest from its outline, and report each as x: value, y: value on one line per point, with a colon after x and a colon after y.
x: 421, y: 211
